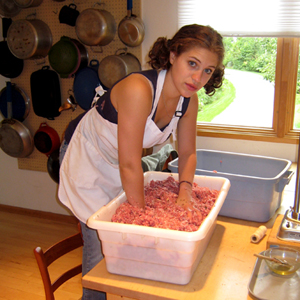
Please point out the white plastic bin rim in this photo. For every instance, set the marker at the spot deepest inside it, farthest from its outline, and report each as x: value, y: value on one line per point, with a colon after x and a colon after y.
x: 101, y: 219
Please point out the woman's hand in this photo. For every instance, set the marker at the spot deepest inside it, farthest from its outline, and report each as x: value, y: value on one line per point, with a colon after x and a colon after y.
x: 185, y: 203
x: 185, y: 196
x: 138, y: 203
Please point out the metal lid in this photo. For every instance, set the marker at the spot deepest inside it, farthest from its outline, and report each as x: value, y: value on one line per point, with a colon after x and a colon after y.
x: 21, y: 39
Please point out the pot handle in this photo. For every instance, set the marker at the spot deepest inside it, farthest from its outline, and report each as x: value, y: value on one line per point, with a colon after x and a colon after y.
x: 98, y: 3
x: 129, y: 8
x: 97, y: 51
x: 31, y: 16
x: 286, y: 178
x: 73, y: 5
x: 9, y: 99
x: 43, y: 124
x: 94, y: 64
x: 121, y: 51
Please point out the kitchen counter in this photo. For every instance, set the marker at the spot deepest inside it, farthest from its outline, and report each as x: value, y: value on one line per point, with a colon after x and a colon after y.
x: 222, y: 274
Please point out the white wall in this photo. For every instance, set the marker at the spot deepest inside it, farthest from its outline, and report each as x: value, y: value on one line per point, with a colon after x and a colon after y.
x: 36, y: 190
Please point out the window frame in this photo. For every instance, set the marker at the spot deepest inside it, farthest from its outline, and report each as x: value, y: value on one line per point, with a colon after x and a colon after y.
x: 284, y: 103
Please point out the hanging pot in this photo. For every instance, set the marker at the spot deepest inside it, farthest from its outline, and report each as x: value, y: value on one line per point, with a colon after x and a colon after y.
x: 114, y: 67
x: 15, y: 138
x: 68, y: 14
x: 20, y: 103
x: 85, y: 82
x: 10, y: 66
x: 27, y: 3
x: 45, y: 93
x: 131, y: 29
x: 95, y: 27
x: 83, y: 54
x: 64, y: 57
x: 46, y: 139
x: 53, y: 165
x: 8, y: 9
x: 29, y: 39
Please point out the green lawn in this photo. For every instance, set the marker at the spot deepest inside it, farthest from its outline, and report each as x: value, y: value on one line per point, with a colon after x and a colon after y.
x: 297, y: 112
x: 211, y: 106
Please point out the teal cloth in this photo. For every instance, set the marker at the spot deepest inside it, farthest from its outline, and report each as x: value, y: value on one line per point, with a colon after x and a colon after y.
x: 156, y: 161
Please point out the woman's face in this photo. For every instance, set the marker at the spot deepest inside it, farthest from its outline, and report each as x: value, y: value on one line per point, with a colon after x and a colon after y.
x: 192, y: 69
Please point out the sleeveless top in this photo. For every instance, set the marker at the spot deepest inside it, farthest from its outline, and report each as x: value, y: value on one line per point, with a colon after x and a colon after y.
x: 108, y: 112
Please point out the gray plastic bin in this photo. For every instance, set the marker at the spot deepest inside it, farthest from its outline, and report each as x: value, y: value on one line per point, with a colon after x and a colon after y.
x: 256, y: 181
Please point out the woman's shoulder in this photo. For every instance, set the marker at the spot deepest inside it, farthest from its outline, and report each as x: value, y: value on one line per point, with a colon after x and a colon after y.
x: 138, y: 81
x: 152, y: 74
x: 149, y: 75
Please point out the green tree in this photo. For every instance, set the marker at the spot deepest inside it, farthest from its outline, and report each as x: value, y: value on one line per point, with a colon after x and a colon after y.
x: 252, y: 54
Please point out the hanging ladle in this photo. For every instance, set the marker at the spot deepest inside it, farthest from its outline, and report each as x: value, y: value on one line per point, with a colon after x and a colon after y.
x: 70, y: 103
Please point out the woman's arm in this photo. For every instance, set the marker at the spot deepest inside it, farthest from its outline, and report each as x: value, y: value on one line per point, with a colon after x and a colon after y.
x: 132, y: 98
x: 187, y: 127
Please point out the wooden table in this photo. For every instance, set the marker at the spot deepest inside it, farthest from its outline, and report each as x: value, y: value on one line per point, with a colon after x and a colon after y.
x: 223, y: 272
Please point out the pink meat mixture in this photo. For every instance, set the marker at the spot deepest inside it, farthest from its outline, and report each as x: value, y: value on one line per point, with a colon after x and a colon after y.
x: 161, y: 210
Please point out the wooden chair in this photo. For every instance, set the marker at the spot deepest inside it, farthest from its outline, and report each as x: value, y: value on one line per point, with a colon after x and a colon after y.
x: 44, y: 259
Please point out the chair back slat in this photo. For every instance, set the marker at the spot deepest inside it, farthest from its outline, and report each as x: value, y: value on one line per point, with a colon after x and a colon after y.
x: 63, y: 247
x: 44, y: 259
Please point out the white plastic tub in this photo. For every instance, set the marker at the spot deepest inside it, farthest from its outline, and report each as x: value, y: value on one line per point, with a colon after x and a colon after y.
x: 154, y: 253
x: 256, y: 181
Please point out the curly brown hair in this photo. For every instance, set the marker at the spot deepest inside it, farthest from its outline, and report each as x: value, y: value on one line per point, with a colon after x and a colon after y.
x: 187, y: 37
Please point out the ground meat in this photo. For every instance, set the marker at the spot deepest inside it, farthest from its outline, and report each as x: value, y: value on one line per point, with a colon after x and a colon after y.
x: 161, y: 211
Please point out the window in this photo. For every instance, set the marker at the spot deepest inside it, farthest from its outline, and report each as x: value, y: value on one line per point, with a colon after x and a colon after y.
x: 275, y: 20
x: 297, y: 101
x: 247, y: 95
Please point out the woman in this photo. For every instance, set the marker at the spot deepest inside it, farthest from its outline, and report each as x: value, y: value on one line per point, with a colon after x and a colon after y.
x: 140, y: 111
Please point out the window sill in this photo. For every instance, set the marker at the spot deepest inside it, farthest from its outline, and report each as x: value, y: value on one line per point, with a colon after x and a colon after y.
x: 246, y: 133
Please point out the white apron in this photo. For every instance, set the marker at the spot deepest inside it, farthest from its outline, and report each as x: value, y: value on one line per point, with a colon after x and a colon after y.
x: 89, y: 174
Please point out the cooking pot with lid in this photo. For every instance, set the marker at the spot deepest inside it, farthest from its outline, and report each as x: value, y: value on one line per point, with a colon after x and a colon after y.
x: 29, y: 38
x: 114, y: 67
x: 95, y: 27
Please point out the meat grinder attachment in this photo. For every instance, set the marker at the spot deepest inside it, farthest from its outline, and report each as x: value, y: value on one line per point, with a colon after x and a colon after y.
x: 290, y: 225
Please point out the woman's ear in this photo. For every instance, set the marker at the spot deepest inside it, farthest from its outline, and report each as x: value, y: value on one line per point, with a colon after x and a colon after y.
x: 172, y: 57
